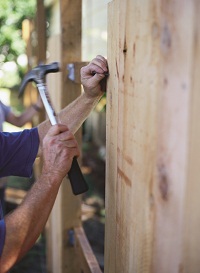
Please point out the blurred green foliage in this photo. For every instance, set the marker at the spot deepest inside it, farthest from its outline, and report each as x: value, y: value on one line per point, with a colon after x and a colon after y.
x: 12, y: 14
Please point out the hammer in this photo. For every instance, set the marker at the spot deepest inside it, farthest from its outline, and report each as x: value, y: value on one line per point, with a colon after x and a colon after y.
x: 38, y: 75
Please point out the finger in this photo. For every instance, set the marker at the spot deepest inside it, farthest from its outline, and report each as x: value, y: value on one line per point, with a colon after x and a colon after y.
x: 69, y: 143
x: 67, y: 138
x: 102, y: 59
x: 74, y: 152
x: 57, y: 129
x: 93, y: 69
x: 100, y: 65
x: 64, y: 136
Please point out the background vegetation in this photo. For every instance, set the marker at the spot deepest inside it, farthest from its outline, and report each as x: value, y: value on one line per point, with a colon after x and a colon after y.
x: 12, y: 46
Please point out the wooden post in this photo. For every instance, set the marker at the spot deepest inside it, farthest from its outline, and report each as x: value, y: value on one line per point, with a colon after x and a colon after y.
x: 153, y: 147
x: 42, y: 40
x: 41, y: 31
x: 30, y: 94
x: 173, y: 134
x: 66, y: 215
x: 191, y: 240
x: 71, y: 14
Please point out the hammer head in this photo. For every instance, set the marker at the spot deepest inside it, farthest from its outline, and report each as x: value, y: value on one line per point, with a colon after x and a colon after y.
x: 38, y: 74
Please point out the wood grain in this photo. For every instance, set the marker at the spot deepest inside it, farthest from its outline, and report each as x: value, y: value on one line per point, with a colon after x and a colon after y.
x: 131, y: 126
x: 152, y: 164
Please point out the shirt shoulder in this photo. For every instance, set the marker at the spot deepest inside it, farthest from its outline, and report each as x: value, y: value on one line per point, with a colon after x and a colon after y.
x: 18, y: 151
x: 4, y: 111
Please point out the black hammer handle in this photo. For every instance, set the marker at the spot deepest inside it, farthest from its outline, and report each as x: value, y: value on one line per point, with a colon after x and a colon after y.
x: 76, y: 178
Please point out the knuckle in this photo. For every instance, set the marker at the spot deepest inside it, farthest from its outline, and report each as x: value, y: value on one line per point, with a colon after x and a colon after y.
x: 83, y: 69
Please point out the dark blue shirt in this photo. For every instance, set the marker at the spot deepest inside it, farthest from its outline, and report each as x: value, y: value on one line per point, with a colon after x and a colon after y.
x: 17, y: 155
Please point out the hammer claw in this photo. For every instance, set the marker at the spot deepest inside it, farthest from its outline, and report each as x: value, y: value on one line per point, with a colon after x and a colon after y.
x: 38, y: 75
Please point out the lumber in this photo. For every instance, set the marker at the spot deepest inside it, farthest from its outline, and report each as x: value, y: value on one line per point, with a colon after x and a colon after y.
x: 131, y: 125
x: 86, y: 256
x: 152, y: 164
x: 64, y: 47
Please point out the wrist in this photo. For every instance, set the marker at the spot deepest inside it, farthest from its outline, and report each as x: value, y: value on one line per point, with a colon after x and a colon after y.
x: 94, y: 95
x: 51, y: 178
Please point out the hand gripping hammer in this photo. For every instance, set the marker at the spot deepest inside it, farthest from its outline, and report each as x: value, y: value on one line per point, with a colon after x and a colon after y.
x: 38, y: 75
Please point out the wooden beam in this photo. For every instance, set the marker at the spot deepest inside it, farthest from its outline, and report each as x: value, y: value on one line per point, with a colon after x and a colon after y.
x: 131, y: 125
x: 173, y: 133
x: 71, y: 44
x: 41, y: 31
x: 64, y: 47
x: 152, y: 164
x: 41, y: 42
x: 191, y: 240
x: 70, y: 16
x: 85, y: 255
x: 27, y: 30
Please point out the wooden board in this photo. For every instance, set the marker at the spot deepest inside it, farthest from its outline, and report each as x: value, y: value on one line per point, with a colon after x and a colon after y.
x: 70, y: 12
x: 191, y: 240
x: 131, y: 121
x: 171, y: 170
x: 66, y: 214
x: 85, y: 255
x: 153, y: 104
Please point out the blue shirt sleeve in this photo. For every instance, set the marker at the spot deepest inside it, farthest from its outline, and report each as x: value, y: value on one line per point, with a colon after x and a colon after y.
x: 18, y: 151
x: 17, y: 155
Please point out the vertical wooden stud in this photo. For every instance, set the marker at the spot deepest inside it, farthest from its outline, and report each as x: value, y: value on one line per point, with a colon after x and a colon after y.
x: 66, y: 215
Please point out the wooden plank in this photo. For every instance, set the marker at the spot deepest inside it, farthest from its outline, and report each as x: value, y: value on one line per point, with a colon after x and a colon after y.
x: 64, y: 47
x: 30, y: 95
x: 66, y: 212
x: 153, y: 147
x: 54, y: 226
x: 70, y: 18
x: 41, y: 31
x: 176, y: 57
x: 131, y: 126
x: 111, y: 141
x: 86, y: 257
x: 191, y: 240
x: 71, y: 44
x: 42, y: 41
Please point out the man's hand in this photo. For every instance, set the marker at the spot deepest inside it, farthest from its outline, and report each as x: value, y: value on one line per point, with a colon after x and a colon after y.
x: 92, y: 76
x: 59, y: 149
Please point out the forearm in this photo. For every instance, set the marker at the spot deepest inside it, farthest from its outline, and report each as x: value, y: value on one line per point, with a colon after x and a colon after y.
x: 78, y: 111
x: 24, y: 224
x: 72, y: 115
x: 22, y: 119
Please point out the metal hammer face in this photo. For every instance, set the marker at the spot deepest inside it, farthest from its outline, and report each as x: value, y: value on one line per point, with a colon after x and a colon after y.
x: 38, y: 74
